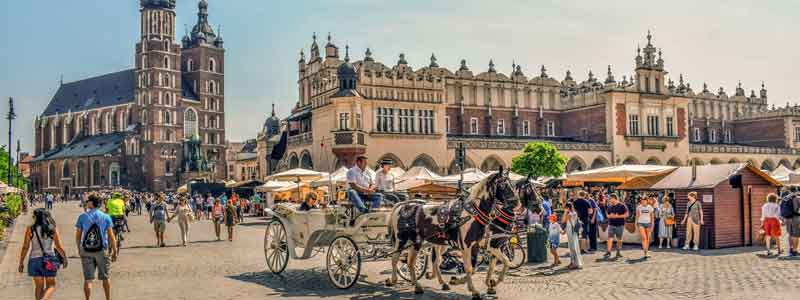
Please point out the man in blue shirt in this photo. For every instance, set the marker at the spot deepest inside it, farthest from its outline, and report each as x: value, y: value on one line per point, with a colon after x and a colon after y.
x: 96, y: 262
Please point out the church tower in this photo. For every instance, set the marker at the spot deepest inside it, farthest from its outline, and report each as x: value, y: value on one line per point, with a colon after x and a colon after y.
x: 203, y: 61
x: 158, y: 92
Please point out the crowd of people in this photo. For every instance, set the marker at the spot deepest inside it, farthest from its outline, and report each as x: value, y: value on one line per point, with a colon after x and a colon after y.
x: 104, y: 218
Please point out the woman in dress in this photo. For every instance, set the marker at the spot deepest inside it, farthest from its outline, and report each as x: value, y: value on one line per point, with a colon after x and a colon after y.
x: 185, y: 216
x: 217, y: 214
x: 42, y: 240
x: 666, y: 222
x: 644, y: 220
x: 570, y: 218
x: 770, y: 223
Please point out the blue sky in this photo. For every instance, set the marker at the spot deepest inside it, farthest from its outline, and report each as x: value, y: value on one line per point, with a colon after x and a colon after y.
x: 719, y: 42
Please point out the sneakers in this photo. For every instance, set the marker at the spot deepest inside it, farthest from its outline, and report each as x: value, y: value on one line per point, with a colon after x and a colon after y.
x: 696, y: 248
x: 686, y: 247
x: 668, y: 246
x: 659, y: 246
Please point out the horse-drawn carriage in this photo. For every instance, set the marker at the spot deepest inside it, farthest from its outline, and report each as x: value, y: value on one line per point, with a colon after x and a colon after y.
x: 349, y: 240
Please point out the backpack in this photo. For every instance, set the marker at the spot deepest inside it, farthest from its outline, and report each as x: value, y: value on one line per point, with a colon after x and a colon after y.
x: 787, y: 207
x: 92, y: 239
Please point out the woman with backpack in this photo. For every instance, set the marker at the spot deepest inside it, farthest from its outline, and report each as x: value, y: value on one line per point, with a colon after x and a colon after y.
x: 46, y: 253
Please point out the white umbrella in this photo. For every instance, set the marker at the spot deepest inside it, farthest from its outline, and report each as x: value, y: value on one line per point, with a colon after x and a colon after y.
x: 272, y: 185
x: 618, y: 174
x: 294, y: 174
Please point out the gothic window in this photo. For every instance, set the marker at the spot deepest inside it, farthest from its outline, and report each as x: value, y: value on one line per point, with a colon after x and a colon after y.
x: 447, y: 124
x: 166, y: 62
x: 81, y: 173
x: 696, y: 133
x: 66, y: 171
x: 473, y: 126
x: 107, y: 123
x: 358, y: 122
x: 189, y: 65
x: 189, y: 123
x: 633, y: 125
x: 501, y: 127
x: 212, y: 66
x: 211, y: 87
x: 167, y: 167
x: 551, y: 128
x: 166, y: 42
x: 144, y: 61
x: 728, y: 137
x: 712, y: 135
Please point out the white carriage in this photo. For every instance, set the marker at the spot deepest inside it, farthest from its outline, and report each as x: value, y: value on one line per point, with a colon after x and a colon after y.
x: 349, y: 241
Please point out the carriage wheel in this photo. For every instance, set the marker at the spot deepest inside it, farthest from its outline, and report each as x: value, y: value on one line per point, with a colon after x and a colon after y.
x: 343, y: 262
x: 276, y: 247
x: 420, y: 265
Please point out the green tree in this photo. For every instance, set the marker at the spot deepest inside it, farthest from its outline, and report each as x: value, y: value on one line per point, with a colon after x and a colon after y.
x: 539, y: 159
x: 19, y: 181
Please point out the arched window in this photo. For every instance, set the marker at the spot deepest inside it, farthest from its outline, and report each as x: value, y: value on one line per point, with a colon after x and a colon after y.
x: 81, y: 173
x: 144, y: 61
x: 167, y: 167
x: 66, y: 172
x: 166, y: 42
x: 189, y: 123
x: 96, y: 173
x: 211, y: 87
x: 167, y: 117
x: 143, y: 117
x: 107, y: 123
x: 189, y: 65
x: 166, y: 62
x: 212, y: 65
x: 51, y: 175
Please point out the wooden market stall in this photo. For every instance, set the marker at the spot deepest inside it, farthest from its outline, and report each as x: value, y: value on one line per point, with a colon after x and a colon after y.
x: 731, y: 196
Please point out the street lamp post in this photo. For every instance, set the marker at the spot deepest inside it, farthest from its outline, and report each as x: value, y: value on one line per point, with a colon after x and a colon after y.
x: 10, y: 117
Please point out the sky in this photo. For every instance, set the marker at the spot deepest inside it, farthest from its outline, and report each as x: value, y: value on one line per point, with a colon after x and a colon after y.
x: 718, y: 42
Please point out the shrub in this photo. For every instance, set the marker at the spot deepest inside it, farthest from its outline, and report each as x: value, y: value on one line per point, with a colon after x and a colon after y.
x: 14, y: 205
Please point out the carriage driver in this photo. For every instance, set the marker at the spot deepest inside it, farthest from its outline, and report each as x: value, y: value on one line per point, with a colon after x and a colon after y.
x: 362, y: 186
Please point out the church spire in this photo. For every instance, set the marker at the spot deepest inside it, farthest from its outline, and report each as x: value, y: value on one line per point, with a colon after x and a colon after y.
x: 202, y: 32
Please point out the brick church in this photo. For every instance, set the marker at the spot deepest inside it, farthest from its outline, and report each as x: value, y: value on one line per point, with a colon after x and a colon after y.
x: 153, y: 127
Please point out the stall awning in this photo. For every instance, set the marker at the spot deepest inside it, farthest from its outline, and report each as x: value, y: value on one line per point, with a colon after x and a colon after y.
x: 618, y: 174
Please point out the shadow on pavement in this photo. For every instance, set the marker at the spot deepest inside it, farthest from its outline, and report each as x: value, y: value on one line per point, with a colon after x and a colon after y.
x: 295, y: 283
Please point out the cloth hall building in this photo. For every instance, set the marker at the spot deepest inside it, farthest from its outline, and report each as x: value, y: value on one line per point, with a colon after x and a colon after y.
x: 417, y: 116
x: 153, y: 127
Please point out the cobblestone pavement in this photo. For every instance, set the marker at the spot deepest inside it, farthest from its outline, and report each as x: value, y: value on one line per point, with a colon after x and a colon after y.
x: 208, y: 269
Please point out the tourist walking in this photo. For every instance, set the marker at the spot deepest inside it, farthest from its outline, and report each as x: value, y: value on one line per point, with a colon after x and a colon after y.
x: 617, y: 213
x: 644, y: 220
x: 94, y: 235
x: 44, y: 243
x: 49, y: 201
x: 693, y: 218
x: 185, y: 216
x: 554, y: 232
x: 158, y: 217
x: 583, y: 208
x: 573, y: 228
x: 208, y: 203
x: 790, y: 213
x: 217, y: 214
x: 230, y: 219
x: 770, y: 223
x: 198, y: 206
x: 666, y: 223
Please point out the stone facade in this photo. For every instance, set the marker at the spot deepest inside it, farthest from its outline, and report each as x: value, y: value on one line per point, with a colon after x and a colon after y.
x: 175, y: 93
x: 645, y: 118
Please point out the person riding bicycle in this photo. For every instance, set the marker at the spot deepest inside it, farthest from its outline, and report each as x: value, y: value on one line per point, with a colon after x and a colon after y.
x: 115, y: 208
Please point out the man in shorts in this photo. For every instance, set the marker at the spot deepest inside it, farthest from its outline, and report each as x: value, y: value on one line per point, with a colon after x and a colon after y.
x: 793, y: 224
x: 158, y: 218
x: 98, y: 261
x: 617, y: 212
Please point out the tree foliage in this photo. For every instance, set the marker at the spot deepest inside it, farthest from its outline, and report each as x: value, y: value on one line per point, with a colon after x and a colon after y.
x: 19, y: 181
x: 539, y: 159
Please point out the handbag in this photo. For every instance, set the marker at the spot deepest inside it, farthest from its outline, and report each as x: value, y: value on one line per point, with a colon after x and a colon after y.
x: 51, y: 263
x: 669, y: 221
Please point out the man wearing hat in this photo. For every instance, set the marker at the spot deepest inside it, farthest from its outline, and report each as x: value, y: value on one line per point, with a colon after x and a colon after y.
x: 362, y: 186
x: 384, y: 182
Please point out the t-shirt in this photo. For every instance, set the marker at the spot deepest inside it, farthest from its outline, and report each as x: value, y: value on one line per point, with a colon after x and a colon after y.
x: 159, y: 212
x: 384, y: 181
x: 582, y: 207
x: 554, y: 230
x: 94, y: 216
x: 359, y: 177
x: 115, y: 207
x: 694, y: 211
x: 644, y: 214
x: 546, y: 208
x: 618, y: 209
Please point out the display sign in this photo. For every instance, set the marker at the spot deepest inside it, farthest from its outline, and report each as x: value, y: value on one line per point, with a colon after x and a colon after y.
x: 708, y: 198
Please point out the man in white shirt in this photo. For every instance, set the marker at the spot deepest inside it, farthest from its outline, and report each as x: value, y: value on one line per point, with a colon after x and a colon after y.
x: 362, y: 186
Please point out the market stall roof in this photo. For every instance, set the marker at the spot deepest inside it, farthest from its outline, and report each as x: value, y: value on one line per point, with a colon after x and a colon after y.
x: 294, y: 174
x: 707, y: 176
x: 292, y: 186
x: 618, y: 174
x: 338, y: 176
x: 785, y: 175
x: 229, y: 183
x: 471, y: 176
x: 418, y: 173
x: 272, y: 185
